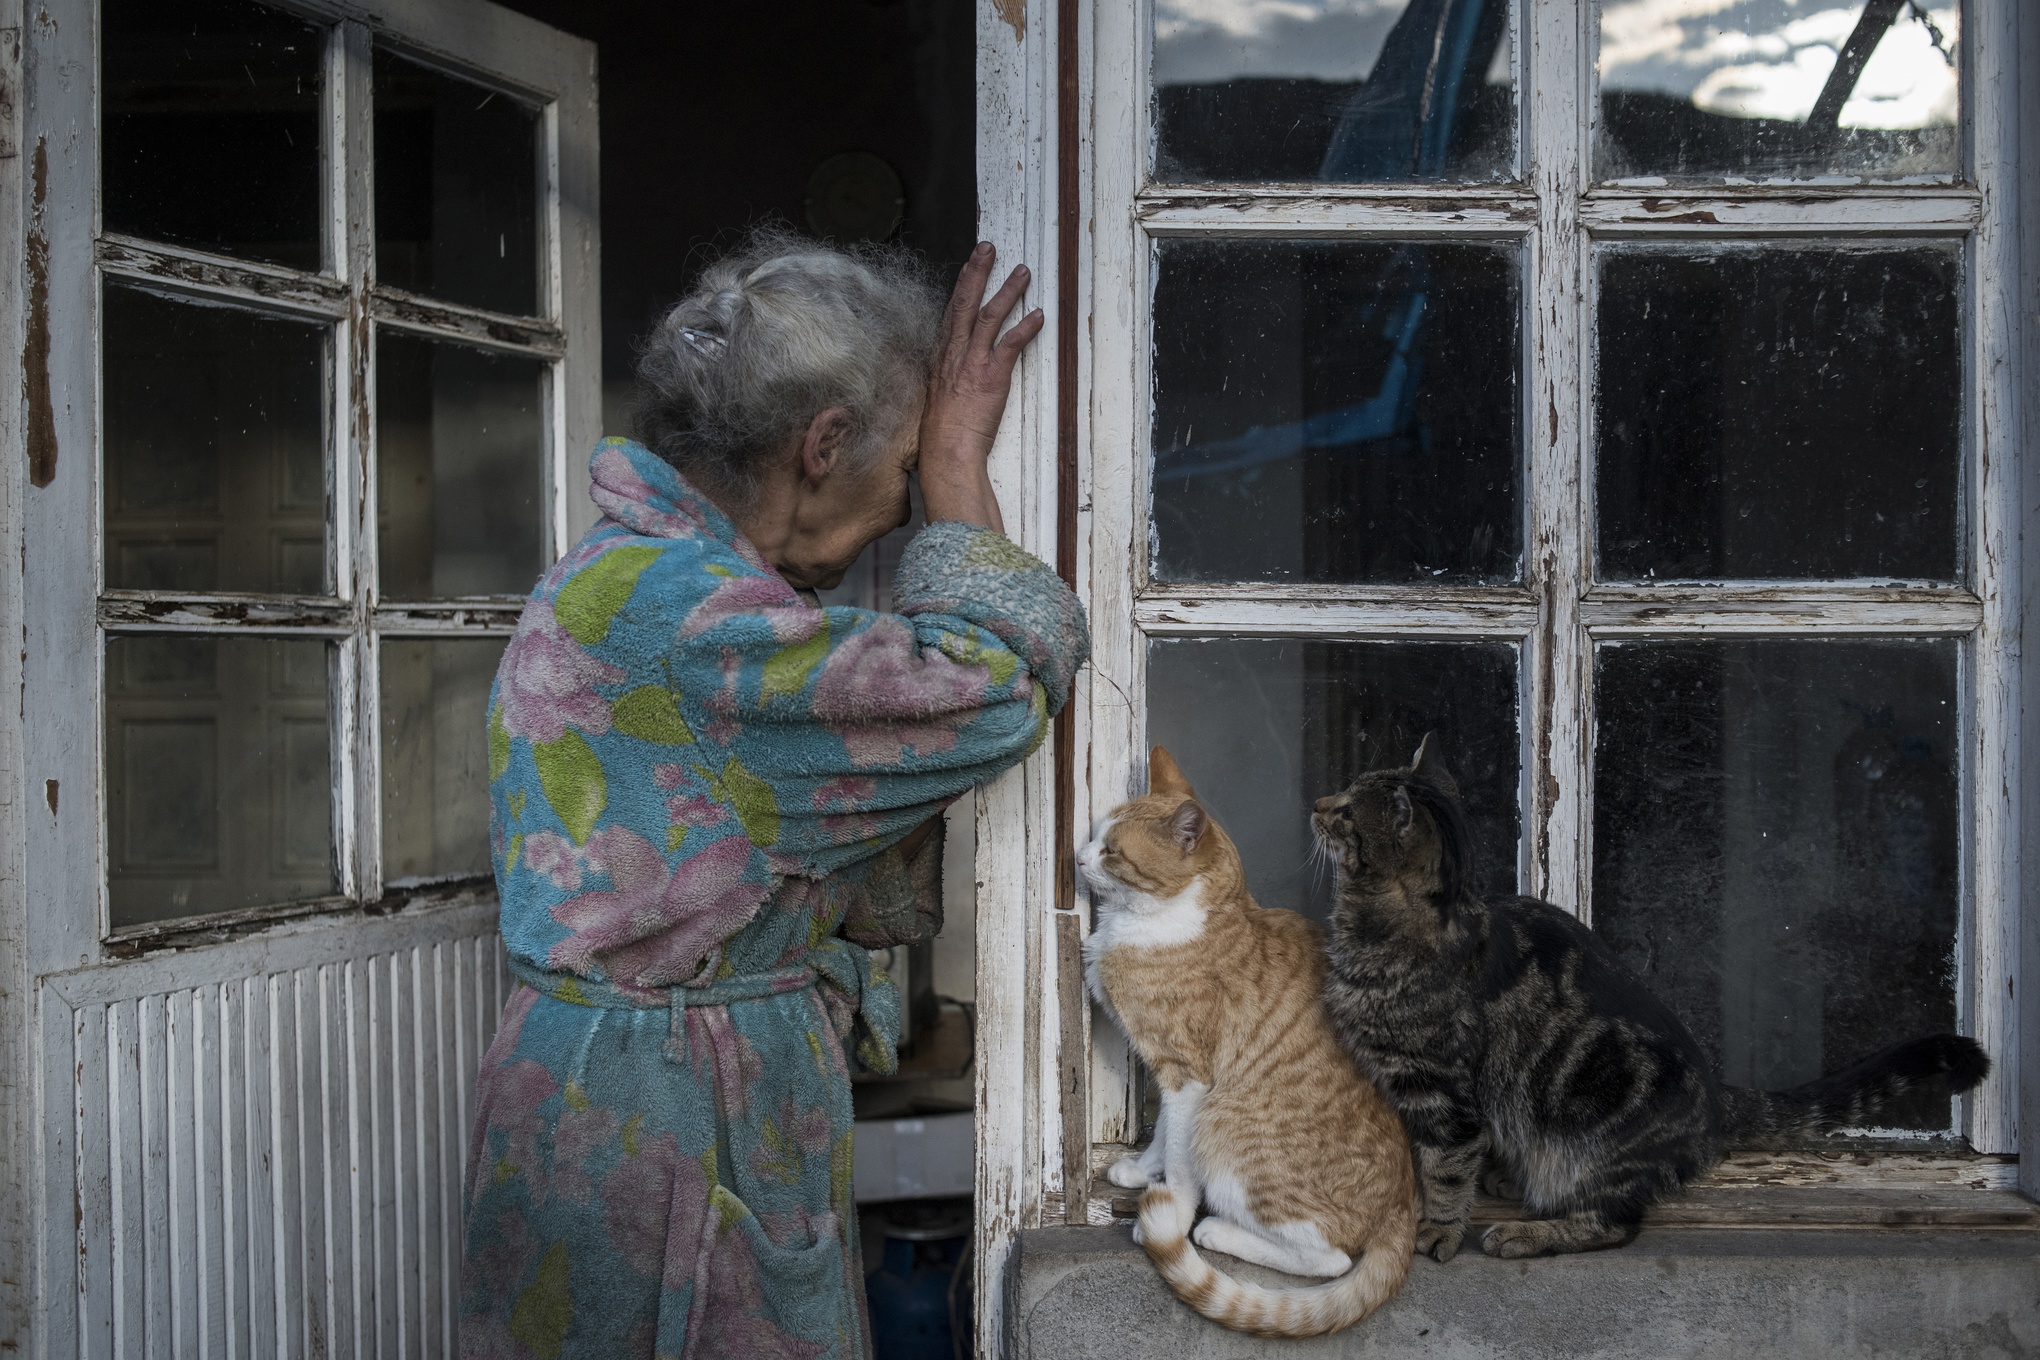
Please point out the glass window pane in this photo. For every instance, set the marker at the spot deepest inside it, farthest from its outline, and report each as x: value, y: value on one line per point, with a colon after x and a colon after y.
x: 211, y: 129
x: 435, y: 757
x: 460, y: 469
x: 1776, y: 846
x: 1342, y: 90
x: 1329, y: 411
x: 1778, y: 412
x: 1753, y: 90
x: 456, y: 189
x: 214, y: 442
x: 1307, y: 718
x: 218, y: 774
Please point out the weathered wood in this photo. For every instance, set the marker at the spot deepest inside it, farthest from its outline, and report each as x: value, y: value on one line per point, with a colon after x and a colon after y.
x: 1987, y: 980
x: 1504, y: 614
x: 179, y: 271
x: 495, y: 331
x: 1701, y: 214
x: 1302, y: 216
x: 1072, y: 1067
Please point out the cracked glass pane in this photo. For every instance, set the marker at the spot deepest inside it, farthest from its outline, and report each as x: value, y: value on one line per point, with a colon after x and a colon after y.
x: 1332, y: 411
x: 1346, y: 91
x: 456, y: 189
x: 1777, y: 846
x: 210, y: 131
x: 1777, y: 412
x: 1313, y: 716
x: 1745, y: 91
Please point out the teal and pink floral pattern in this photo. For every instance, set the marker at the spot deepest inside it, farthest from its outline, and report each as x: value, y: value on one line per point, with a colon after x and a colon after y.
x: 698, y: 780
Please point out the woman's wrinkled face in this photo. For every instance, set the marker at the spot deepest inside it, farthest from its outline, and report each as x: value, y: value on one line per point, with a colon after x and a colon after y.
x: 851, y: 509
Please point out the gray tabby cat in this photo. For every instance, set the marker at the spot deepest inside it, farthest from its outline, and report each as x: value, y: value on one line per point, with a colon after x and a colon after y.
x: 1507, y: 1035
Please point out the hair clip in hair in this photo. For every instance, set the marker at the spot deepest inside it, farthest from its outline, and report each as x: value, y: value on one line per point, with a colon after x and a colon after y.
x: 703, y: 342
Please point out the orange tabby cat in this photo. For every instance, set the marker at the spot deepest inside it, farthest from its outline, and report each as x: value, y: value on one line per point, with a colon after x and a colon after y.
x: 1264, y: 1117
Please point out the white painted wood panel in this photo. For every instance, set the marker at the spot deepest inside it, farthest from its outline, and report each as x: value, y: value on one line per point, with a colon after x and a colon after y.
x: 270, y: 1162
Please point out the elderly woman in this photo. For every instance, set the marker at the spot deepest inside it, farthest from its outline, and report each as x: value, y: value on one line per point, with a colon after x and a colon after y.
x: 711, y: 796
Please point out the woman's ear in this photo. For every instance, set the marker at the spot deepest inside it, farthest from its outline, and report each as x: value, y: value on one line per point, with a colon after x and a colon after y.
x: 823, y: 444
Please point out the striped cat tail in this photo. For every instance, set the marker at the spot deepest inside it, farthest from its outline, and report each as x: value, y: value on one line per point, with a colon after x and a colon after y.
x: 1311, y: 1310
x: 1850, y: 1097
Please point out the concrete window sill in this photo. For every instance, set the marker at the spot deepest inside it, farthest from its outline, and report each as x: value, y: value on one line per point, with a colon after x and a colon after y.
x: 1751, y: 1293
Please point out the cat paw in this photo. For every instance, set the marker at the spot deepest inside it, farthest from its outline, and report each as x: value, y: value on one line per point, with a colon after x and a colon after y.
x: 1511, y: 1241
x: 1439, y: 1241
x: 1128, y: 1174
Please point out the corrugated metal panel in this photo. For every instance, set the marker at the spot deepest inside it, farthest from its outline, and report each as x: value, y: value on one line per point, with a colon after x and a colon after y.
x: 271, y: 1164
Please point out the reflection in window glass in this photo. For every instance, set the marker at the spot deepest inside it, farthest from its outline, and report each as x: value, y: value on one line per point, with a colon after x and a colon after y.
x: 1328, y: 411
x: 218, y: 774
x: 1343, y: 90
x: 1774, y: 89
x: 214, y: 447
x: 1779, y: 412
x: 460, y: 470
x: 1776, y: 846
x: 435, y: 756
x: 1264, y: 727
x: 456, y: 189
x: 210, y: 127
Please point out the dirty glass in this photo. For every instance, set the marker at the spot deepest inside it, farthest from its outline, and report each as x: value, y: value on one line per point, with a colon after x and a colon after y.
x: 210, y: 127
x: 214, y: 446
x: 435, y: 757
x: 456, y: 189
x: 1263, y: 727
x: 1340, y: 90
x: 1332, y: 411
x: 1777, y: 847
x: 218, y: 774
x: 1779, y: 412
x: 460, y: 470
x: 1753, y: 90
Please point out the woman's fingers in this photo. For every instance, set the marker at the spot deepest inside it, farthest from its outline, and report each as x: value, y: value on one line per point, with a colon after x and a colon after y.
x: 1000, y: 306
x: 963, y: 303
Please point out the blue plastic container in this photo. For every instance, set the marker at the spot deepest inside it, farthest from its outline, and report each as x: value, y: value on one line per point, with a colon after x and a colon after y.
x: 912, y: 1290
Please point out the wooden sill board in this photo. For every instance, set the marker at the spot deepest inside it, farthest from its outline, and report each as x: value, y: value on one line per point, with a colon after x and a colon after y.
x: 1769, y: 1206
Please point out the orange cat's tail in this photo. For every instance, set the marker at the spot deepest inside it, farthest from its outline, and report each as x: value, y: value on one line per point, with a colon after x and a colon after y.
x: 1311, y: 1310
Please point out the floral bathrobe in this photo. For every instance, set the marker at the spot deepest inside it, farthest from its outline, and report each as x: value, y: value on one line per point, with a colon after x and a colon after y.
x: 697, y: 779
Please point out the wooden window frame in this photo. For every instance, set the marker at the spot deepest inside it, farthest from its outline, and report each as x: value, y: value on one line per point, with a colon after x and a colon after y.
x: 67, y: 602
x: 1063, y: 184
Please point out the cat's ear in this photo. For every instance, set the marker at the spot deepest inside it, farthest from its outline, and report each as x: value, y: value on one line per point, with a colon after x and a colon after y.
x: 1164, y: 776
x: 1188, y: 824
x: 1429, y: 766
x: 1403, y: 815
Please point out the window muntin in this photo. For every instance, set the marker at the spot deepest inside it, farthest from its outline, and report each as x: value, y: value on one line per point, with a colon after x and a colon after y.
x: 1567, y: 610
x: 244, y: 513
x: 1753, y: 90
x: 1333, y: 90
x: 1336, y: 411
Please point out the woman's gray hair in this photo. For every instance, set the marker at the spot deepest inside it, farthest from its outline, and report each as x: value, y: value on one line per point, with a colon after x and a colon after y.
x: 774, y: 334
